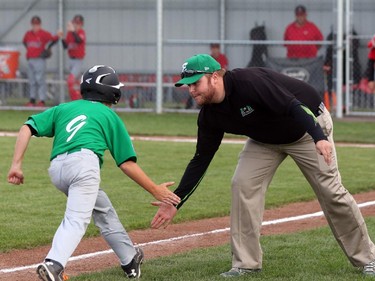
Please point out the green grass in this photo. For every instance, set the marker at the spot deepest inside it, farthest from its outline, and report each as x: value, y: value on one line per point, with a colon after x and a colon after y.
x: 175, y: 124
x: 24, y: 209
x: 137, y: 123
x: 354, y: 131
x: 309, y: 255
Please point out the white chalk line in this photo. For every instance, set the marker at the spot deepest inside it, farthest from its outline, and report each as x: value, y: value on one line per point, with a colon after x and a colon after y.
x: 156, y: 242
x: 194, y: 140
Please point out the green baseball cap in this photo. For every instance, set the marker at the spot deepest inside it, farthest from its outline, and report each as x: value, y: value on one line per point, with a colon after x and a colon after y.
x: 195, y: 67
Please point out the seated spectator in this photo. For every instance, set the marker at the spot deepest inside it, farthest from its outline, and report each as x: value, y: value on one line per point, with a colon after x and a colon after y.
x: 302, y: 30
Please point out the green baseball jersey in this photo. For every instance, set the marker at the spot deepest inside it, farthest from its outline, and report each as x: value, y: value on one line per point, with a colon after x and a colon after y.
x: 84, y: 124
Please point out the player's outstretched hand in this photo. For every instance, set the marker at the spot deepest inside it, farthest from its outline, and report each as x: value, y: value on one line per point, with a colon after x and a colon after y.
x: 160, y: 192
x: 163, y: 194
x: 324, y: 148
x: 15, y: 176
x: 164, y: 215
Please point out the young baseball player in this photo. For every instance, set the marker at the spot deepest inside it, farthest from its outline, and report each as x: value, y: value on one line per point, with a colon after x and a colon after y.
x: 371, y: 64
x: 282, y: 116
x: 82, y: 131
x: 75, y: 42
x: 38, y: 43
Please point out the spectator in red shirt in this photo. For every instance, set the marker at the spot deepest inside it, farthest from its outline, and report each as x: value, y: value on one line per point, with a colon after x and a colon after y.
x: 218, y: 55
x: 38, y: 43
x: 75, y: 42
x: 370, y: 64
x: 302, y: 30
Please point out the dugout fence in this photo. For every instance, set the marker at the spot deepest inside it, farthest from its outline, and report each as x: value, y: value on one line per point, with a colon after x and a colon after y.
x: 146, y: 41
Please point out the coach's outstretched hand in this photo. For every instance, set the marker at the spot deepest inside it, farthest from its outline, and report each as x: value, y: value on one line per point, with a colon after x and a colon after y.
x: 164, y: 215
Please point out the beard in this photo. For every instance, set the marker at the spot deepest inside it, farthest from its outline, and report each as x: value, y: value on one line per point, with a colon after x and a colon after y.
x: 208, y: 96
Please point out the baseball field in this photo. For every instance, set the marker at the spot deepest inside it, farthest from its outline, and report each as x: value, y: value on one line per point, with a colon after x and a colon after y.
x: 30, y: 213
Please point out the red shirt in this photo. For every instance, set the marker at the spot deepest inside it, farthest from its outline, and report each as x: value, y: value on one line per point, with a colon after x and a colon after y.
x: 371, y: 45
x: 76, y: 49
x: 36, y: 42
x: 222, y: 59
x: 308, y: 32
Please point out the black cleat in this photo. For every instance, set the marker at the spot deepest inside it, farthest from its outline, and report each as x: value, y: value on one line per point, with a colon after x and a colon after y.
x: 51, y: 270
x: 133, y: 269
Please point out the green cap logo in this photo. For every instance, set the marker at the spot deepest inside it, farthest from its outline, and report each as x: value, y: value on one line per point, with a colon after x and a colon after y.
x: 195, y: 67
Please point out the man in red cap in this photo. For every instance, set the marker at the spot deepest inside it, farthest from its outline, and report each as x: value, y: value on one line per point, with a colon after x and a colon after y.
x: 38, y: 43
x: 302, y: 30
x: 75, y: 42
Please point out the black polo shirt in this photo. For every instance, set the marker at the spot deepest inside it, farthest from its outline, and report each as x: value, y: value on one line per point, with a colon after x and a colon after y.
x: 259, y: 103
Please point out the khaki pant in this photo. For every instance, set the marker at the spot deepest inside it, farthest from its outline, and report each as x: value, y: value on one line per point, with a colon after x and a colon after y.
x: 257, y: 165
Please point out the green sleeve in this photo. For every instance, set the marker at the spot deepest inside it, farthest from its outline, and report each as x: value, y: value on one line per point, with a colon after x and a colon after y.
x: 43, y: 123
x: 120, y: 144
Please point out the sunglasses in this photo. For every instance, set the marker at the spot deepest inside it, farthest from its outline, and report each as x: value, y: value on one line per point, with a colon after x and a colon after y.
x: 189, y: 73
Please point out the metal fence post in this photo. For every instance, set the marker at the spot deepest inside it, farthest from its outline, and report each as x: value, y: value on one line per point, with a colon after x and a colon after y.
x: 349, y: 67
x: 61, y: 53
x: 339, y: 62
x: 159, y: 56
x: 222, y: 31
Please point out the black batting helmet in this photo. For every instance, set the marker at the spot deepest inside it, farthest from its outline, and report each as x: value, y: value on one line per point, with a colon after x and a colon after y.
x: 101, y: 83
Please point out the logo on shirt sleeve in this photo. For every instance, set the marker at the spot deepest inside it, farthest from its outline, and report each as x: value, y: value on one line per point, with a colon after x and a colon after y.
x: 246, y: 110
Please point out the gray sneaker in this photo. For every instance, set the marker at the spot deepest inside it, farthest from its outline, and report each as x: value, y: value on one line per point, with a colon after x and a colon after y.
x: 369, y: 269
x: 235, y: 272
x: 51, y: 270
x: 133, y: 269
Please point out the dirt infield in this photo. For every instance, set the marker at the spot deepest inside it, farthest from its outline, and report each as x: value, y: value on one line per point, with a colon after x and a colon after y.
x: 28, y: 258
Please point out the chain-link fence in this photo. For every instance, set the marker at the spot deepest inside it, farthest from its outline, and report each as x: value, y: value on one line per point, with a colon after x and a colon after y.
x: 360, y: 89
x: 297, y: 38
x: 359, y: 97
x: 15, y: 92
x: 139, y: 94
